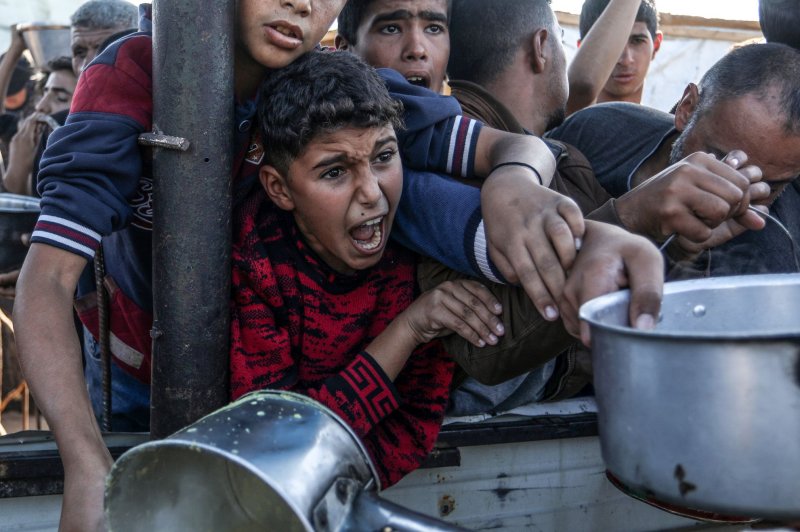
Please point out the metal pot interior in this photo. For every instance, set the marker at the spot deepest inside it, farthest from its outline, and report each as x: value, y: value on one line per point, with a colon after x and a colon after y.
x: 265, y: 462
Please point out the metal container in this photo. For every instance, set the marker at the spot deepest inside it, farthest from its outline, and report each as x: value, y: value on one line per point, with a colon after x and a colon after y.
x: 46, y: 41
x: 18, y: 215
x: 704, y: 411
x: 270, y: 461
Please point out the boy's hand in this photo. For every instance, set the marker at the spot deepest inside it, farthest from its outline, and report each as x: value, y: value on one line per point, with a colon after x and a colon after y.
x: 464, y: 307
x: 533, y: 235
x: 612, y: 259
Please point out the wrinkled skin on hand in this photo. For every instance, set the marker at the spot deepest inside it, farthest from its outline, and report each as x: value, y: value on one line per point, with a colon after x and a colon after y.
x: 533, y: 235
x: 612, y: 259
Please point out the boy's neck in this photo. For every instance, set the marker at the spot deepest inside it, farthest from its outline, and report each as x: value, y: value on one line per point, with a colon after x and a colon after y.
x: 247, y: 76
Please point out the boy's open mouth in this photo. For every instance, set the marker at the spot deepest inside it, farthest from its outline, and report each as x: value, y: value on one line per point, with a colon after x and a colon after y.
x: 420, y: 81
x: 285, y: 34
x: 368, y: 236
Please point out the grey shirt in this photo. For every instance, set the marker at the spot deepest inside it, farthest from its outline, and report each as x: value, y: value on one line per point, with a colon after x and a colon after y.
x: 617, y: 138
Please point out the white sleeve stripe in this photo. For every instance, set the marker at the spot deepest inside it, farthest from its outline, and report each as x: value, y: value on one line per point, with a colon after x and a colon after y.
x: 44, y: 235
x: 467, y: 144
x: 482, y: 254
x: 72, y: 225
x: 451, y: 150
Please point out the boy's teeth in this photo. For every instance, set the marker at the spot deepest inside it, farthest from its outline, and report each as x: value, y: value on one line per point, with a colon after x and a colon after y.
x: 368, y: 235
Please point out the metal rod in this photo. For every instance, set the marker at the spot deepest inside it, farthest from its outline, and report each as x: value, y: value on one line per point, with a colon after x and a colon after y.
x: 104, y: 336
x: 193, y: 100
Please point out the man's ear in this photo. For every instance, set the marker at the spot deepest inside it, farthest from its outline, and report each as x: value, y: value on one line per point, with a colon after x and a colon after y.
x: 657, y: 43
x: 539, y: 53
x: 276, y: 187
x: 687, y: 106
x: 341, y: 43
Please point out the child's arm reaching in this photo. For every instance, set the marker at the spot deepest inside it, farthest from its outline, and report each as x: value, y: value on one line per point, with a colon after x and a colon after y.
x: 463, y: 307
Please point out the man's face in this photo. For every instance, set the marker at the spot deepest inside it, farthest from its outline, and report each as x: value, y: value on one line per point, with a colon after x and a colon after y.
x: 409, y: 36
x: 58, y: 92
x: 85, y: 44
x: 748, y: 124
x: 344, y: 191
x: 627, y: 79
x: 273, y: 33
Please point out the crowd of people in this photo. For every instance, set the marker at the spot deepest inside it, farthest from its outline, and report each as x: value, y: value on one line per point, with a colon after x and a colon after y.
x: 398, y: 254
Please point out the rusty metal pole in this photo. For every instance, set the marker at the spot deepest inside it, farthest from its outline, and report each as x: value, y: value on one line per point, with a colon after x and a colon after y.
x: 193, y: 99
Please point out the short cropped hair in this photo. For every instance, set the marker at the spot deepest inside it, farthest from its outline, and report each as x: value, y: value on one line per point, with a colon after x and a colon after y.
x: 592, y: 9
x: 319, y: 93
x: 351, y: 16
x: 60, y: 63
x: 485, y: 36
x: 105, y: 14
x: 780, y: 21
x: 760, y: 70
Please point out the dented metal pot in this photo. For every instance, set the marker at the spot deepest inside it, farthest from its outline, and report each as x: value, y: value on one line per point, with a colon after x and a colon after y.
x: 270, y: 461
x: 704, y: 411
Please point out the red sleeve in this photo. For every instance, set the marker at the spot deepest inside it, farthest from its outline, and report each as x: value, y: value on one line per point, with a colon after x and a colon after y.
x: 261, y: 357
x: 401, y: 442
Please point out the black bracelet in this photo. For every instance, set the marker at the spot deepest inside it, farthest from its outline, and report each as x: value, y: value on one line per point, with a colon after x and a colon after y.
x: 524, y: 165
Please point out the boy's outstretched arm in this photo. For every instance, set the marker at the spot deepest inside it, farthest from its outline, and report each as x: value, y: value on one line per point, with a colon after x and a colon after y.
x: 598, y: 53
x: 533, y: 233
x: 51, y: 360
x: 611, y: 259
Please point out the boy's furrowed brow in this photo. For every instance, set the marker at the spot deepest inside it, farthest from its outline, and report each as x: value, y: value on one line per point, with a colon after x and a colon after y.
x: 400, y: 14
x: 405, y: 14
x: 333, y: 159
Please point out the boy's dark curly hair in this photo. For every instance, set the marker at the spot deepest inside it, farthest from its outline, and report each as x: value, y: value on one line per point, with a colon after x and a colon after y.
x: 318, y: 93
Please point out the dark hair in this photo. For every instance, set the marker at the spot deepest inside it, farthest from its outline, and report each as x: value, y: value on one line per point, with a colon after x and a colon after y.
x: 761, y: 70
x: 60, y: 63
x: 780, y: 21
x: 484, y: 36
x: 318, y: 93
x: 20, y: 76
x: 352, y: 14
x: 592, y: 9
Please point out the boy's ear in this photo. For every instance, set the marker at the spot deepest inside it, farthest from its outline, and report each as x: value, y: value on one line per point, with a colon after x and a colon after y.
x: 538, y: 51
x: 657, y: 43
x: 687, y: 106
x: 276, y: 187
x: 341, y: 43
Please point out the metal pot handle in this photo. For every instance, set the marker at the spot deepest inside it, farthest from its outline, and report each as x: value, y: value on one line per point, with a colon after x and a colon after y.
x: 371, y: 512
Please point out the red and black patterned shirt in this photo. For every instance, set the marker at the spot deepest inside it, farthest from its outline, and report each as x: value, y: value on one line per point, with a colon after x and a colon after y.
x: 298, y: 325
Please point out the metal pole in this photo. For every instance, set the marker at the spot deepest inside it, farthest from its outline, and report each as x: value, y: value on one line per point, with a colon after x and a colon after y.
x: 193, y: 100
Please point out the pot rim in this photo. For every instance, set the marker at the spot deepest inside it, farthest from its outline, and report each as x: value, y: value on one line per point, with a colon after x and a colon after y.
x: 590, y: 310
x: 28, y: 26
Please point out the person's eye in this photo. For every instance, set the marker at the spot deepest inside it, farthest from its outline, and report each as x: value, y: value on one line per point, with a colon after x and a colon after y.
x: 390, y: 29
x: 79, y: 52
x: 333, y: 173
x: 436, y: 29
x: 63, y: 99
x: 386, y: 156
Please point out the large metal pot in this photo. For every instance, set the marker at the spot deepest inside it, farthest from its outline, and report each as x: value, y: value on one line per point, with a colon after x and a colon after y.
x: 704, y: 411
x: 270, y: 461
x: 18, y: 215
x: 46, y: 41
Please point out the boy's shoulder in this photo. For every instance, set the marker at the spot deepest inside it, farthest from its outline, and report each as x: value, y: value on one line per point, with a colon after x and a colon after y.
x: 119, y: 81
